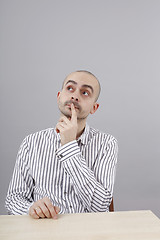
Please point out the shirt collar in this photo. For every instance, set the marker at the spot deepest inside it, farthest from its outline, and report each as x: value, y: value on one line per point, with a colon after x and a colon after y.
x: 84, y: 138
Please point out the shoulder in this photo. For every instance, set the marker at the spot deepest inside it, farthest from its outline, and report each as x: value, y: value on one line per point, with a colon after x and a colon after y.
x: 48, y: 133
x: 105, y: 137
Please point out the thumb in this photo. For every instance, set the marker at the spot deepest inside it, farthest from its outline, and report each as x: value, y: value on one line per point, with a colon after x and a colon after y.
x: 57, y: 209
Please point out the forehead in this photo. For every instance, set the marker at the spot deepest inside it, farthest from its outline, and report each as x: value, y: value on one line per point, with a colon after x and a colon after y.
x: 82, y: 78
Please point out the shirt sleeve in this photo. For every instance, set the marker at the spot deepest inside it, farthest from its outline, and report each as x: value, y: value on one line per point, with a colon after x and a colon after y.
x: 93, y: 186
x: 19, y: 196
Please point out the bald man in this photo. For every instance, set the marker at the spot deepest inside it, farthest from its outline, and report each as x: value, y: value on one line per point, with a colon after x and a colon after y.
x: 70, y: 168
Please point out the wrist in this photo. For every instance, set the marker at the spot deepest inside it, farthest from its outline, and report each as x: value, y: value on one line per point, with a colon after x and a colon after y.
x: 68, y: 150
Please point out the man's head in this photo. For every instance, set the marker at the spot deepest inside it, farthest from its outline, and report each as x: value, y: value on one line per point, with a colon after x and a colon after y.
x: 82, y: 89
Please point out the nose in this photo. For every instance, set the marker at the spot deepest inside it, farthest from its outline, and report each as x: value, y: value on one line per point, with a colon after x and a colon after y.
x: 74, y: 99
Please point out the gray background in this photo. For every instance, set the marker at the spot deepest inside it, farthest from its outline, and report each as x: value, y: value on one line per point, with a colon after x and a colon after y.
x: 119, y: 41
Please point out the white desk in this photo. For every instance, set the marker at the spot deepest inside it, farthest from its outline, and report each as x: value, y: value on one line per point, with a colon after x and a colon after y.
x: 136, y: 225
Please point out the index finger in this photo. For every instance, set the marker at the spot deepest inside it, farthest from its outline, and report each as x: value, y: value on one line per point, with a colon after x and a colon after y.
x: 73, y: 111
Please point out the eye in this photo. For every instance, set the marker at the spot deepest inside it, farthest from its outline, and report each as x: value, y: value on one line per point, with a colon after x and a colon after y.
x: 69, y: 88
x: 85, y: 93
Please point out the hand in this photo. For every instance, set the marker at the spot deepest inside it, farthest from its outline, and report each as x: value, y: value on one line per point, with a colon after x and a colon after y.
x: 68, y: 127
x: 44, y: 208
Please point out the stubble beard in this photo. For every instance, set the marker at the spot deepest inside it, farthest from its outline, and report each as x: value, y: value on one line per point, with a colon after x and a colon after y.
x: 68, y: 115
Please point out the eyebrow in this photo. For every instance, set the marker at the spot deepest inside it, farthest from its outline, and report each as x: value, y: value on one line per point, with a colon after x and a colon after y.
x: 84, y: 85
x: 71, y: 81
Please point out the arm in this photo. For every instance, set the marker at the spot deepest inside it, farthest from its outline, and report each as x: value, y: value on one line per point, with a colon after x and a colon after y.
x: 94, y: 187
x: 19, y: 196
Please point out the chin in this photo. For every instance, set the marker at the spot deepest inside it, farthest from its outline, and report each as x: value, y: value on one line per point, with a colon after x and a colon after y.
x: 66, y: 113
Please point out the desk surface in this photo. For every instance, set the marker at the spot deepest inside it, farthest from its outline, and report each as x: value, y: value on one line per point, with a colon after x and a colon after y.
x: 136, y: 225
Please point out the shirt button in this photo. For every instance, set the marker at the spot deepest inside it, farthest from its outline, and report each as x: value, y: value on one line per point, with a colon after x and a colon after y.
x: 70, y: 206
x: 59, y: 156
x: 65, y: 192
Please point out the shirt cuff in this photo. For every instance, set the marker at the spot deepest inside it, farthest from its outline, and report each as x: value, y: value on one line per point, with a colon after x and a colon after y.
x: 67, y: 151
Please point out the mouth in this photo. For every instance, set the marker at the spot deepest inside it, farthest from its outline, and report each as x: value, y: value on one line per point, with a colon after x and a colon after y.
x: 69, y: 106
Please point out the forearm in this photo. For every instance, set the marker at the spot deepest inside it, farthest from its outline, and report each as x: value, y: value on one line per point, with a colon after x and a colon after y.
x: 95, y: 194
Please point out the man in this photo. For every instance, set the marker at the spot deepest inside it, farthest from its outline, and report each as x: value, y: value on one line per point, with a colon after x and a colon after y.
x: 68, y: 169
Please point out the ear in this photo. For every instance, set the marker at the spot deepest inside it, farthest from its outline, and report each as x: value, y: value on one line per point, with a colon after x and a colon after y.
x: 58, y: 95
x: 94, y: 108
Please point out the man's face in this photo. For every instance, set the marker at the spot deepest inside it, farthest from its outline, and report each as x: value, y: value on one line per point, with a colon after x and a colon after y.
x: 81, y: 89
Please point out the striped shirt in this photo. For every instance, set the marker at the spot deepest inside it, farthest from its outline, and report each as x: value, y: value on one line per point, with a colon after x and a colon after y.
x: 77, y: 177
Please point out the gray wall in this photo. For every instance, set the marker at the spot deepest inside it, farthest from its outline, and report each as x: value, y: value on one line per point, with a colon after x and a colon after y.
x: 119, y: 41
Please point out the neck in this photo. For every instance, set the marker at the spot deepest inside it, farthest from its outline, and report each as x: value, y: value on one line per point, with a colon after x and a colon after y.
x: 81, y: 126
